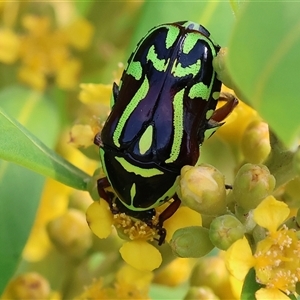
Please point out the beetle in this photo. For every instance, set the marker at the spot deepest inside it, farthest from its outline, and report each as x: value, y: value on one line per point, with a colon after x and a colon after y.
x: 164, y: 104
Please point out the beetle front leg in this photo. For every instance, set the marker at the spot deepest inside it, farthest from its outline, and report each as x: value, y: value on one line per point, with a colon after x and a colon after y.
x: 221, y: 113
x: 102, y: 184
x: 166, y: 214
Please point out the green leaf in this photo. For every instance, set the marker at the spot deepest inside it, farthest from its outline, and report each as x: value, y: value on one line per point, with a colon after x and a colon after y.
x: 20, y: 146
x: 216, y: 16
x: 264, y: 61
x: 83, y: 7
x: 20, y: 188
x: 20, y: 193
x: 250, y: 286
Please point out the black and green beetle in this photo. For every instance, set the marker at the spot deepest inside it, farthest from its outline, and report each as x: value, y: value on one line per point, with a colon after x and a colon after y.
x: 165, y: 102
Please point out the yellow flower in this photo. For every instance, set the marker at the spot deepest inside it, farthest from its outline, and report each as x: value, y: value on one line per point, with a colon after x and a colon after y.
x: 141, y: 255
x: 67, y: 75
x: 175, y: 273
x: 95, y: 93
x: 239, y: 259
x: 82, y: 136
x: 137, y: 252
x: 130, y: 284
x: 53, y: 204
x: 277, y: 257
x: 100, y: 218
x: 236, y: 123
x: 183, y: 217
x: 94, y: 292
x: 70, y: 233
x: 79, y: 34
x: 9, y: 46
x: 46, y: 52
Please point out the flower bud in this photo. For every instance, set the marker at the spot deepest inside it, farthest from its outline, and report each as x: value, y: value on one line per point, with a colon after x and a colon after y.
x: 27, y: 286
x: 212, y: 272
x: 252, y: 184
x: 70, y: 233
x: 191, y: 242
x: 255, y: 142
x: 291, y: 193
x: 175, y: 273
x: 200, y: 293
x: 82, y: 136
x: 202, y: 188
x: 219, y: 64
x: 225, y: 230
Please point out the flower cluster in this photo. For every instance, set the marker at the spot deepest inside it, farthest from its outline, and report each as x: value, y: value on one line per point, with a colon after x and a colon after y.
x: 45, y: 51
x: 239, y: 220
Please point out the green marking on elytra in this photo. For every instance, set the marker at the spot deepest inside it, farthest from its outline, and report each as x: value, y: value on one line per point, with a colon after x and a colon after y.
x: 135, y: 69
x: 168, y: 194
x: 165, y: 197
x: 159, y: 64
x: 173, y: 33
x: 137, y: 170
x: 190, y: 41
x: 178, y: 126
x: 132, y: 192
x: 179, y: 71
x: 139, y: 96
x: 209, y: 113
x: 102, y: 153
x: 216, y: 95
x: 199, y: 90
x: 145, y: 141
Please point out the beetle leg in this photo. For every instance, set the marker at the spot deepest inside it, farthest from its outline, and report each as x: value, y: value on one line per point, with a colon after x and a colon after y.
x: 221, y: 113
x: 97, y: 139
x: 166, y: 214
x: 102, y: 184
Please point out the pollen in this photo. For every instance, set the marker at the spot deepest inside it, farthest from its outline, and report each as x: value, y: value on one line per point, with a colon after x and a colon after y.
x: 135, y: 229
x: 278, y: 260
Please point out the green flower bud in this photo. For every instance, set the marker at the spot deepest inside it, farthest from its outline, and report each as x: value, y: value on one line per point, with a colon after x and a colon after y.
x: 292, y: 192
x: 252, y: 184
x: 212, y: 272
x: 200, y: 293
x: 191, y: 242
x: 255, y: 142
x: 246, y: 219
x: 225, y: 230
x: 202, y: 188
x: 70, y: 233
x: 219, y: 65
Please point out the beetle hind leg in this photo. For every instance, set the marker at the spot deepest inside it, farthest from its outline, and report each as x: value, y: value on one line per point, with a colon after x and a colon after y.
x: 166, y: 214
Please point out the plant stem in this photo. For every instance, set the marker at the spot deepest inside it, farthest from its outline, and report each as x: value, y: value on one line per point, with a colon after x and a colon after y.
x: 280, y: 161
